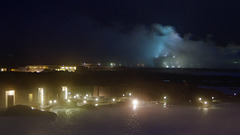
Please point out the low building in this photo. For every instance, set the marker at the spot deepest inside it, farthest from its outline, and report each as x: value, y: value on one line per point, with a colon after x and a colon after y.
x: 35, y: 68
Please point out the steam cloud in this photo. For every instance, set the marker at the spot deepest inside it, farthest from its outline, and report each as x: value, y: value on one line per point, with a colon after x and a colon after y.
x: 85, y: 40
x: 143, y: 44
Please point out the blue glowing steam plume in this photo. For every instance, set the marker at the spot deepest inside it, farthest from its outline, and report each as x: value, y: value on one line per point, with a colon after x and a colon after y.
x: 154, y: 45
x: 165, y: 45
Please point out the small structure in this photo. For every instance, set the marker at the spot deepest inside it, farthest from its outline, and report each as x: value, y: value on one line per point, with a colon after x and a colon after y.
x: 10, y: 98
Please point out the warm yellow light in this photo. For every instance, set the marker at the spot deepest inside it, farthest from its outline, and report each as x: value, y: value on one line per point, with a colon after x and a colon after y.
x: 10, y: 93
x: 30, y: 97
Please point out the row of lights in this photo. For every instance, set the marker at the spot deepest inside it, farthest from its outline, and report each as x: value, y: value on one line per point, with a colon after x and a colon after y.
x: 54, y: 101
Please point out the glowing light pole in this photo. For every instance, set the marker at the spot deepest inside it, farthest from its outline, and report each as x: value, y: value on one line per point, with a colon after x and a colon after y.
x: 41, y: 96
x: 65, y: 90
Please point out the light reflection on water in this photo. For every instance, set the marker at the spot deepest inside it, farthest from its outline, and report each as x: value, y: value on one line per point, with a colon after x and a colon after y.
x: 144, y: 119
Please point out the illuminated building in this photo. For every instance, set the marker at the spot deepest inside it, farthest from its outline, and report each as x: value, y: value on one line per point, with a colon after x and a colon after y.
x: 35, y: 68
x: 167, y: 61
x: 67, y: 68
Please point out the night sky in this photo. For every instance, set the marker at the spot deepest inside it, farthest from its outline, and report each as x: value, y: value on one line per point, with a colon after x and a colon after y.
x: 126, y: 31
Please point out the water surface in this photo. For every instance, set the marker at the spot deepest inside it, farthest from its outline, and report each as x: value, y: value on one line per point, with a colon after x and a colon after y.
x: 145, y: 119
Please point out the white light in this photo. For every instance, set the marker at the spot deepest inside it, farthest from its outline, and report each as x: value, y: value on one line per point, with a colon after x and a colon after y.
x: 167, y: 66
x: 11, y: 92
x: 172, y: 66
x: 134, y: 107
x: 55, y: 101
x: 165, y: 97
x: 96, y: 104
x: 74, y: 96
x: 87, y: 95
x: 113, y: 99
x: 32, y: 108
x: 135, y: 102
x: 84, y: 97
x: 41, y: 95
x: 68, y: 100
x: 212, y: 97
x: 77, y: 95
x: 205, y: 102
x: 130, y: 94
x: 64, y: 88
x: 96, y: 99
x: 123, y: 95
x: 200, y: 99
x: 50, y: 101
x: 84, y: 101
